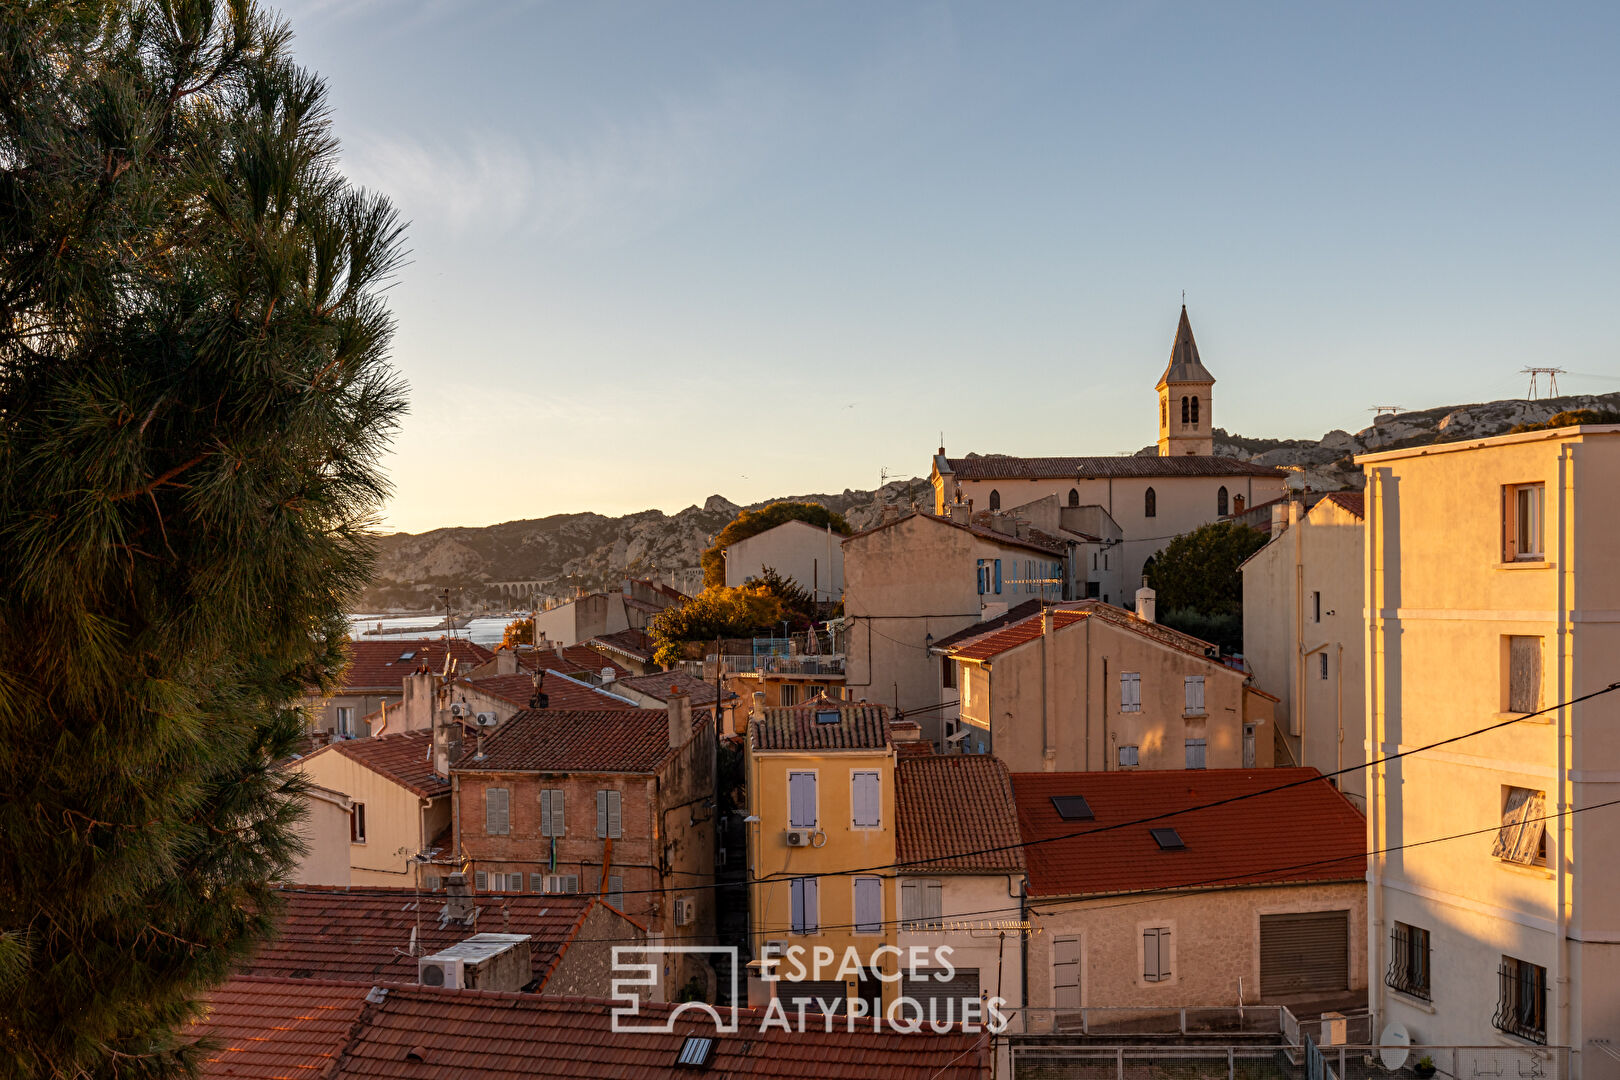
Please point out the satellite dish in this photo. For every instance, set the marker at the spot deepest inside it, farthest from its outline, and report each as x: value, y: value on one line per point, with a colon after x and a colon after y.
x: 1394, y: 1042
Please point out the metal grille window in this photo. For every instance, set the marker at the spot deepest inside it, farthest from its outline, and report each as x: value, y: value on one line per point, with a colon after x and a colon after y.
x: 1523, y: 835
x: 1408, y: 961
x: 1521, y: 1005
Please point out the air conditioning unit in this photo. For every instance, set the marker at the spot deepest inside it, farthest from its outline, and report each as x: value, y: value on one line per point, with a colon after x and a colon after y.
x: 685, y: 911
x: 458, y: 708
x: 446, y: 971
x: 486, y: 719
x: 799, y: 837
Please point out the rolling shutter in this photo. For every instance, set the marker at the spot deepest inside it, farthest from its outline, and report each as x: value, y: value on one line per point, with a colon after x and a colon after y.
x: 942, y: 1001
x: 1304, y: 953
x: 815, y: 995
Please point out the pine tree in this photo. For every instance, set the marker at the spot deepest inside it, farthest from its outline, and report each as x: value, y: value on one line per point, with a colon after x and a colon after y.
x: 193, y: 396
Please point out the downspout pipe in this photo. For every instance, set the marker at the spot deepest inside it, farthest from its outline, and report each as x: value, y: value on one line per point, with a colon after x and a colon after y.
x: 1373, y: 545
x: 1048, y: 689
x: 1560, y: 974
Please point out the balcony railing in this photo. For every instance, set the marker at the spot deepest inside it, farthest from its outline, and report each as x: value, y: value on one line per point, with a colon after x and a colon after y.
x: 1521, y: 1008
x: 779, y: 665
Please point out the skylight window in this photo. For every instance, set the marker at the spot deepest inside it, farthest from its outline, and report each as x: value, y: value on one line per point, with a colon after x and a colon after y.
x: 696, y: 1052
x: 1072, y: 808
x: 1169, y: 840
x: 407, y: 656
x: 827, y: 716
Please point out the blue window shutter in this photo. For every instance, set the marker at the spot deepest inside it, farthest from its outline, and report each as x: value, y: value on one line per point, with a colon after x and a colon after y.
x: 981, y: 577
x: 998, y: 577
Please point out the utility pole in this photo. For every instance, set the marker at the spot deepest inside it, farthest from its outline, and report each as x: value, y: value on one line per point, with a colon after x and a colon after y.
x: 1535, y: 373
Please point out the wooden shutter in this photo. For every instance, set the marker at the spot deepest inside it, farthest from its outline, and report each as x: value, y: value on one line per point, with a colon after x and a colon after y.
x: 802, y: 800
x: 545, y: 812
x: 1524, y: 674
x: 1066, y: 972
x: 615, y: 820
x: 1520, y: 837
x: 601, y: 813
x: 537, y: 883
x: 1156, y: 954
x: 497, y: 815
x: 804, y: 905
x: 615, y: 891
x: 867, y: 798
x: 908, y: 901
x: 868, y: 905
x: 481, y: 880
x: 1195, y: 693
x: 998, y: 577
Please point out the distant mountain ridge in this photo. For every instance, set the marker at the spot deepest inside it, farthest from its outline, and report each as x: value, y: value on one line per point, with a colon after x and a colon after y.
x: 591, y: 551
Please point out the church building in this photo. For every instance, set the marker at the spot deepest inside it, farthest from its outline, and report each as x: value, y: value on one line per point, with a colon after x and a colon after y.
x: 1152, y: 499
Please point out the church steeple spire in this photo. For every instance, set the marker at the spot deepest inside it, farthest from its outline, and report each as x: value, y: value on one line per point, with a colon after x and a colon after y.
x: 1185, y: 412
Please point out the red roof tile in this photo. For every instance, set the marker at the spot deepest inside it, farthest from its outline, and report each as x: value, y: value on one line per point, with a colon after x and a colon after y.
x: 795, y: 727
x: 568, y: 740
x: 986, y: 646
x: 402, y: 757
x: 632, y: 643
x: 268, y: 1029
x: 417, y: 1033
x: 948, y: 805
x: 1309, y: 832
x: 383, y: 665
x: 658, y: 686
x: 573, y: 660
x: 1016, y: 613
x: 1006, y: 467
x: 562, y: 691
x: 363, y: 935
x: 1352, y: 501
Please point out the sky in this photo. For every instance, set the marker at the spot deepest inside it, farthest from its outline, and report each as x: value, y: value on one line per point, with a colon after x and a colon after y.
x: 661, y: 251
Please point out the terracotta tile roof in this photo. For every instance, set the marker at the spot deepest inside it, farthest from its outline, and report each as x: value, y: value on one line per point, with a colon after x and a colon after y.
x: 570, y: 740
x: 402, y: 757
x: 562, y: 691
x: 950, y: 804
x: 267, y: 1029
x: 632, y: 643
x: 382, y: 665
x: 573, y: 660
x: 1045, y: 547
x: 1304, y: 833
x: 657, y: 685
x: 795, y: 727
x: 990, y: 645
x: 363, y: 935
x: 1016, y: 613
x: 912, y: 748
x: 418, y: 1033
x: 1006, y: 467
x: 1352, y: 501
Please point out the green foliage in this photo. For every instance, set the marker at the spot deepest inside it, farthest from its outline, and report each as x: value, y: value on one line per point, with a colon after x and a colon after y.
x: 1570, y: 418
x: 748, y: 611
x: 753, y: 522
x: 193, y: 398
x: 1197, y: 580
x: 798, y: 603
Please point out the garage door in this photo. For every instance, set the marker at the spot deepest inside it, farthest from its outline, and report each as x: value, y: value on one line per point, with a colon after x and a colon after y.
x: 942, y: 1001
x: 1304, y: 953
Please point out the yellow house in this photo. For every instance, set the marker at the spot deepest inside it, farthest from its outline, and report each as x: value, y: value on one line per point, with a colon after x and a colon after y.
x: 398, y: 805
x: 822, y: 810
x: 1493, y: 600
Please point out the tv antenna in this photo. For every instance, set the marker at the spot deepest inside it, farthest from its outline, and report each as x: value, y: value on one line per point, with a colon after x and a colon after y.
x: 1552, y: 374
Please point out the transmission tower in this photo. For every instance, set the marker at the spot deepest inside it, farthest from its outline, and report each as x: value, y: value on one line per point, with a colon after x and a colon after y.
x: 1552, y: 374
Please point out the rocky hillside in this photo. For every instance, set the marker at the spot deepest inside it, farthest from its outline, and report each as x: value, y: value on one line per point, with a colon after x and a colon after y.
x: 590, y: 551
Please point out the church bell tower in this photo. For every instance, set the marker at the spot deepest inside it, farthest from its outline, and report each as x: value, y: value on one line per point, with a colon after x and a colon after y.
x: 1186, y: 416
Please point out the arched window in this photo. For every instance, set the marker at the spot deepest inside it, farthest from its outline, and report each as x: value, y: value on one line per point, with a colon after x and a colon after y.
x: 1237, y: 504
x: 995, y: 500
x: 1220, y: 502
x: 1184, y: 408
x: 1150, y: 504
x: 1195, y: 410
x: 1074, y: 497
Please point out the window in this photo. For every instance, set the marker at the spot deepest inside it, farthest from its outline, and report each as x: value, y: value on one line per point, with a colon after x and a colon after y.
x: 1164, y: 411
x: 497, y: 811
x: 1074, y: 496
x: 1186, y: 410
x: 1130, y: 691
x: 357, y: 823
x: 551, y: 812
x: 1408, y: 960
x: 1195, y: 411
x: 868, y: 905
x: 947, y: 673
x: 1316, y: 606
x: 537, y: 883
x: 802, y: 800
x: 1150, y: 503
x: 1072, y: 808
x: 1168, y: 839
x: 920, y: 903
x: 1195, y: 753
x: 1220, y: 502
x: 1521, y: 1007
x: 614, y: 893
x: 1522, y: 506
x: 506, y: 882
x: 696, y: 1052
x: 1129, y: 757
x: 345, y: 720
x: 1524, y: 674
x: 1523, y: 835
x: 1248, y: 746
x: 1156, y: 954
x: 562, y: 883
x: 609, y: 821
x: 1195, y: 695
x: 790, y: 694
x: 995, y: 500
x: 828, y: 716
x: 866, y: 796
x: 1322, y: 664
x: 802, y: 891
x: 481, y: 880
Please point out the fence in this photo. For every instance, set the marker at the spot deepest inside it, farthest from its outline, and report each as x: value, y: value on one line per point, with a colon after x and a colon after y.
x: 1058, y: 1058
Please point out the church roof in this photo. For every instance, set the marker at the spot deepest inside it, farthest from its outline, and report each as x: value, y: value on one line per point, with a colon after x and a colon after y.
x: 1184, y: 366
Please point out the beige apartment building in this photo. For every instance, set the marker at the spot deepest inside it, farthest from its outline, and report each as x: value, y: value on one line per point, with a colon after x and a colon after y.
x: 1091, y: 687
x: 1303, y: 633
x: 1493, y: 593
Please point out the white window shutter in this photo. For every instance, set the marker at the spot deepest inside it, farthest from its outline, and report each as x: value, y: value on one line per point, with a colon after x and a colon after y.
x: 812, y: 906
x: 868, y: 905
x: 802, y: 800
x: 481, y: 880
x: 537, y: 883
x: 601, y: 813
x: 545, y: 812
x: 1150, y: 955
x: 497, y: 819
x: 908, y: 901
x: 557, y: 822
x: 615, y: 823
x: 932, y: 907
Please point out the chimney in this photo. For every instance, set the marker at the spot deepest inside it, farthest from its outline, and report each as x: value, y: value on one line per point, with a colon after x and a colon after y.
x: 1147, y: 603
x: 458, y: 902
x: 680, y: 717
x: 1279, y: 518
x: 759, y: 705
x: 557, y: 647
x: 1021, y: 528
x: 506, y: 662
x: 890, y: 513
x: 905, y: 731
x: 960, y: 512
